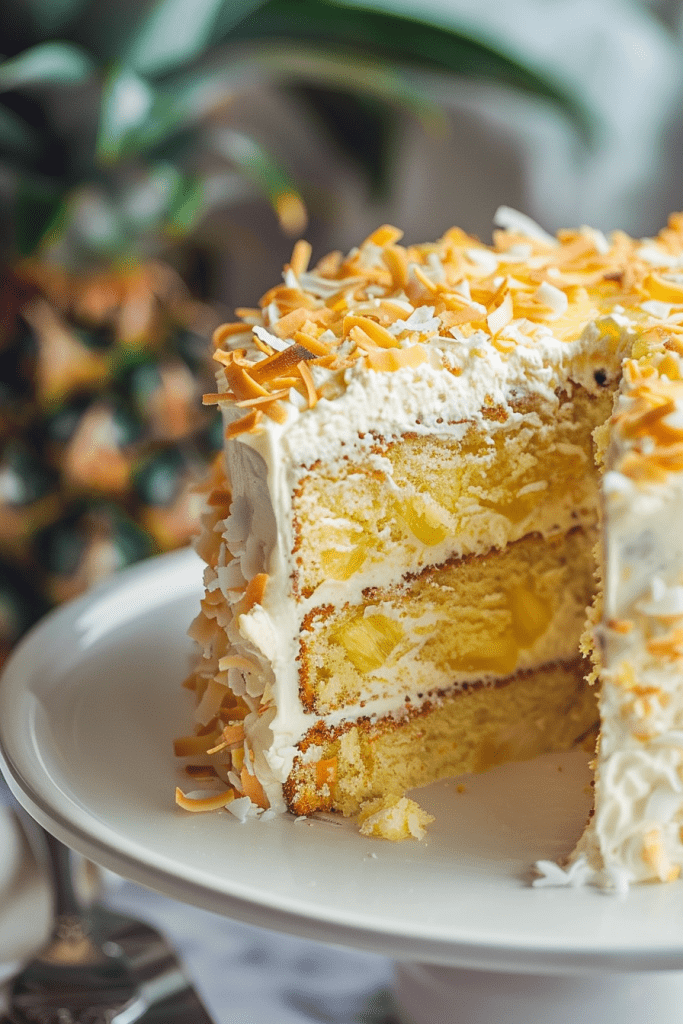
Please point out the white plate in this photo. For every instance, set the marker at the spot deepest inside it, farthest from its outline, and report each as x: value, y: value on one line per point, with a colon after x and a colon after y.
x: 89, y: 705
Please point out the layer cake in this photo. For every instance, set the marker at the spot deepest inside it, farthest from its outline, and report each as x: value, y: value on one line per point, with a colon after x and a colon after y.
x: 423, y: 452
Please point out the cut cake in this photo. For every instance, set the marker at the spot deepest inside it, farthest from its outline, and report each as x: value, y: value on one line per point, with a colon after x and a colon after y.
x: 400, y: 539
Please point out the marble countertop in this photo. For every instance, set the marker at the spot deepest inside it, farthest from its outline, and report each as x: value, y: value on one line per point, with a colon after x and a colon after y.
x: 244, y: 975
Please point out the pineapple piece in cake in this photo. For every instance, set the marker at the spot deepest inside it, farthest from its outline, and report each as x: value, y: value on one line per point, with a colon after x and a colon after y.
x: 394, y: 818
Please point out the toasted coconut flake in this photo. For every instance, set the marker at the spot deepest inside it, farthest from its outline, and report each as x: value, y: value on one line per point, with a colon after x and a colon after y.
x: 256, y: 588
x: 554, y: 298
x: 213, y: 802
x: 423, y: 279
x: 213, y: 398
x: 252, y: 788
x: 669, y: 646
x: 371, y: 329
x: 457, y: 317
x: 396, y: 261
x: 242, y: 383
x: 519, y: 223
x: 328, y: 265
x: 234, y: 733
x: 223, y: 356
x: 501, y: 315
x: 505, y: 346
x: 277, y: 411
x: 274, y: 366
x: 309, y: 383
x: 190, y: 746
x: 209, y: 705
x: 301, y: 257
x: 236, y: 661
x: 225, y: 331
x: 664, y: 291
x: 246, y: 425
x: 291, y: 322
x: 389, y: 360
x: 387, y: 234
x: 262, y: 400
x: 312, y: 344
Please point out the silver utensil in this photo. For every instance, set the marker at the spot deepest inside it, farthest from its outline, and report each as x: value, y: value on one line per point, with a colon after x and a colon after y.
x: 99, y: 967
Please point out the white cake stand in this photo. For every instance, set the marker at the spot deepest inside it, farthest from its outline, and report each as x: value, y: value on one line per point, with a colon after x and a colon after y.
x: 89, y: 705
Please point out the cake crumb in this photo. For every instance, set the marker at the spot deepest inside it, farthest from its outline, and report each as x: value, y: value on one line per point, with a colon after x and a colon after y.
x: 393, y: 817
x: 461, y: 787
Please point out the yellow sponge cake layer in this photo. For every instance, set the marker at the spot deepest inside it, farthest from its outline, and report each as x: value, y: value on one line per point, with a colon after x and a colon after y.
x: 533, y: 472
x: 473, y: 619
x: 550, y: 709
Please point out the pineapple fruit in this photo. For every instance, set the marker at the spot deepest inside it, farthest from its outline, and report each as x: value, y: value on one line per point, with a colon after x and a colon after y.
x: 103, y: 436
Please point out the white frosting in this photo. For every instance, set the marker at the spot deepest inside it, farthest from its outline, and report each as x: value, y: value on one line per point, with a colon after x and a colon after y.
x: 634, y: 833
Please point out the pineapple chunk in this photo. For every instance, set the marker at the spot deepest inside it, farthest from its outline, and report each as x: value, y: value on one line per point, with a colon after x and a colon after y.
x: 341, y: 565
x: 530, y: 615
x: 422, y: 521
x: 368, y: 642
x: 496, y: 654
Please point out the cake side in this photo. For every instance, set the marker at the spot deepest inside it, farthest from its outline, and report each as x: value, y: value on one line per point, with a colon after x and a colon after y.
x: 635, y: 832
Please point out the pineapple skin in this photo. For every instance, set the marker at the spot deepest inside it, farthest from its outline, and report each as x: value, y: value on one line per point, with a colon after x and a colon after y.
x: 103, y: 437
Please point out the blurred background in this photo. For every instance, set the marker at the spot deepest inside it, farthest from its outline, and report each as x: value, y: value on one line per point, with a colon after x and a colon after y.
x: 159, y: 157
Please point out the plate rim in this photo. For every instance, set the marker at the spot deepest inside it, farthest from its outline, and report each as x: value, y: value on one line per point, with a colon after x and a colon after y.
x: 322, y: 926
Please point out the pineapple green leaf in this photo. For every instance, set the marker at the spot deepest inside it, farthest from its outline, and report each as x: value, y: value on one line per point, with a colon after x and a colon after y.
x: 171, y: 34
x: 17, y: 137
x: 187, y: 207
x: 127, y: 103
x: 146, y: 203
x: 258, y: 166
x: 187, y: 99
x: 46, y: 64
x: 408, y: 40
x: 39, y: 208
x: 50, y: 15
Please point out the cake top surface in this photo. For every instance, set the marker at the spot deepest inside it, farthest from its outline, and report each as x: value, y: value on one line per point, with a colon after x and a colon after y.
x: 454, y: 305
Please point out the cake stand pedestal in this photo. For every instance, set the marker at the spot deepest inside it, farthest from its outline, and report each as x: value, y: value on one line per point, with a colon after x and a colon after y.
x: 427, y: 994
x: 89, y: 704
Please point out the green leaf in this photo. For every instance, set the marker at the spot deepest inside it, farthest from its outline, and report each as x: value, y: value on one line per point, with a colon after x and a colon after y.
x: 38, y: 209
x: 257, y: 165
x: 96, y: 223
x: 50, y: 15
x: 17, y: 137
x: 362, y: 127
x: 127, y: 102
x: 147, y: 203
x: 411, y: 41
x: 189, y: 203
x: 46, y: 64
x: 174, y: 33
